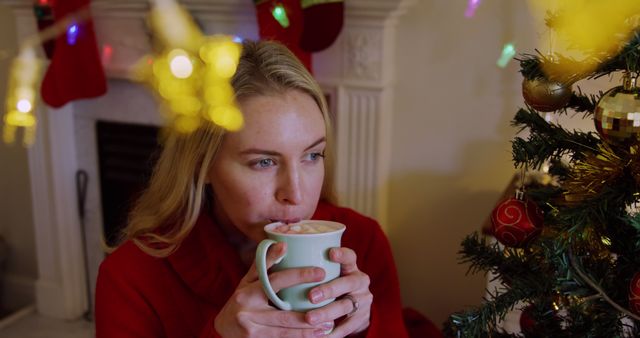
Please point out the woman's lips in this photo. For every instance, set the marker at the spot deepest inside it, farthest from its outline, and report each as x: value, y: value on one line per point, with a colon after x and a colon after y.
x: 285, y: 221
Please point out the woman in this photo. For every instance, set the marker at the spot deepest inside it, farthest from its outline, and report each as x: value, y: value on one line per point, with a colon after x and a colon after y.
x: 185, y: 268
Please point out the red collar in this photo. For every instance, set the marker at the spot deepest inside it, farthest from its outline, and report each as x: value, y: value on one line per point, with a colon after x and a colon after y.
x: 207, y: 263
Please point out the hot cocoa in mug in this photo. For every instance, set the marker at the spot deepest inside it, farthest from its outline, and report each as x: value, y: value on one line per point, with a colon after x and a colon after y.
x: 310, y: 227
x: 308, y: 244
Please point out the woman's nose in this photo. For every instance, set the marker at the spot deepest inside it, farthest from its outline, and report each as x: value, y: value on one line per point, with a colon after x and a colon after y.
x: 288, y: 190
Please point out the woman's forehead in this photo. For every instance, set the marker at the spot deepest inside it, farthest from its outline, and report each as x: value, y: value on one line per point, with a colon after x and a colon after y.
x: 289, y: 119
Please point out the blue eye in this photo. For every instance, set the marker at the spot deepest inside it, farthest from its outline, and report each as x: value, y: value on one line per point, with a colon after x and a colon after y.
x: 315, y: 156
x: 265, y: 163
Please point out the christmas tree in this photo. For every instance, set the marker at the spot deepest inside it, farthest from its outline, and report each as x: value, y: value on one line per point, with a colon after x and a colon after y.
x: 568, y: 254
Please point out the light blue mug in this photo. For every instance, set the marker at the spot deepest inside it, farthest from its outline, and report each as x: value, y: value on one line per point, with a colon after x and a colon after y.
x: 303, y: 250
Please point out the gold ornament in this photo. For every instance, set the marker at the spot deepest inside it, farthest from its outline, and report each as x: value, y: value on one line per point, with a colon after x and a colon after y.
x: 617, y: 115
x: 589, y: 176
x: 544, y: 95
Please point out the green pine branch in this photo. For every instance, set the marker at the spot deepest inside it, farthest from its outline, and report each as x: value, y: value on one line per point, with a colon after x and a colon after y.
x: 547, y: 140
x: 582, y: 103
x: 534, y: 275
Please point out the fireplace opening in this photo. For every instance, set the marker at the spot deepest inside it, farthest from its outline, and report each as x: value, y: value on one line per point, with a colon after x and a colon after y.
x: 126, y: 156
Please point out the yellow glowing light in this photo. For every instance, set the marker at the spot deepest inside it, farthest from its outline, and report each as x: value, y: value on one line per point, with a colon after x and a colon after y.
x: 186, y: 105
x: 24, y: 106
x: 172, y: 88
x: 181, y: 66
x: 219, y: 94
x: 19, y: 119
x: 161, y: 68
x: 226, y: 66
x: 229, y: 117
x: 24, y: 78
x: 25, y: 92
x: 223, y: 54
x: 173, y: 26
x: 186, y: 124
x: 166, y: 89
x: 584, y: 28
x: 190, y: 72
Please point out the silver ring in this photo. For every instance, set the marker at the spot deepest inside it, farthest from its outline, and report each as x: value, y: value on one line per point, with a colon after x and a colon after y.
x: 354, y: 302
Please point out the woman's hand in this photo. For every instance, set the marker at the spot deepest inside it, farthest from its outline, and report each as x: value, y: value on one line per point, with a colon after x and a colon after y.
x: 356, y: 307
x: 248, y: 313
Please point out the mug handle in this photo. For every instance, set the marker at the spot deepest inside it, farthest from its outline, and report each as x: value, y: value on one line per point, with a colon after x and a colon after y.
x: 261, y: 266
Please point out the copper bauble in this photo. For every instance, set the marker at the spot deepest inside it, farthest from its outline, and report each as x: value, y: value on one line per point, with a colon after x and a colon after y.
x: 544, y: 95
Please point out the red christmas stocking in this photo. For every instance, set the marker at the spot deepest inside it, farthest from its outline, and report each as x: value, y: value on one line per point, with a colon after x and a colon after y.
x: 75, y: 71
x: 271, y: 29
x: 44, y: 18
x: 322, y: 23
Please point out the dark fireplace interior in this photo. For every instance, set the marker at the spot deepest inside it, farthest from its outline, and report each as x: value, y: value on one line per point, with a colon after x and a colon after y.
x: 126, y: 155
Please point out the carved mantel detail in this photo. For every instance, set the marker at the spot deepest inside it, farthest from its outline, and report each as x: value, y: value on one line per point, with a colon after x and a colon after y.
x: 364, y: 55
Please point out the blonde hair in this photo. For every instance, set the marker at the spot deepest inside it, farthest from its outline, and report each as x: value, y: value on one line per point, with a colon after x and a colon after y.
x: 168, y: 209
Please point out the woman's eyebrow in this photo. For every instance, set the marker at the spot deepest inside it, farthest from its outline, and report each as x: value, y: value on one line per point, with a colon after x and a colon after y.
x: 320, y: 140
x: 259, y: 151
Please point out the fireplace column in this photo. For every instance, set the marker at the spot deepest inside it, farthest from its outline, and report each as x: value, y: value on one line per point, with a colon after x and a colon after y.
x: 358, y: 73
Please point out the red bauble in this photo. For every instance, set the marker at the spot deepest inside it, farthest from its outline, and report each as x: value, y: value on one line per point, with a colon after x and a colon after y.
x: 527, y: 322
x: 516, y: 222
x: 634, y: 294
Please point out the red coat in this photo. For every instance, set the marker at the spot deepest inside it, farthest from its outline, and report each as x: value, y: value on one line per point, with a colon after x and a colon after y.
x: 140, y: 296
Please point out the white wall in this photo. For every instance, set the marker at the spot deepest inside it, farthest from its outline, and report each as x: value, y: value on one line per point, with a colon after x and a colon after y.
x: 451, y: 152
x: 16, y: 222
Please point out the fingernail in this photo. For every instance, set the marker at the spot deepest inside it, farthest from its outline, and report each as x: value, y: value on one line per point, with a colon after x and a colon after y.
x: 327, y: 325
x: 337, y: 253
x: 316, y: 296
x: 319, y: 333
x: 312, y: 319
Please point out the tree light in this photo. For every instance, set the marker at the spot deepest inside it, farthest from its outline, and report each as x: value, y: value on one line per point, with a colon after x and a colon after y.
x: 107, y: 52
x: 280, y: 14
x: 471, y: 8
x: 24, y: 106
x: 508, y: 52
x: 24, y: 77
x: 180, y: 65
x: 72, y: 34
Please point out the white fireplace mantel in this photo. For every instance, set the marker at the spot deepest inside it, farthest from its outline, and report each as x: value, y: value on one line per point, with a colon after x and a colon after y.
x: 356, y: 71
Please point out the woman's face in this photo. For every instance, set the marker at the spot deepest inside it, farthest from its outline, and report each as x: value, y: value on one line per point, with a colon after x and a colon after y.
x: 272, y: 169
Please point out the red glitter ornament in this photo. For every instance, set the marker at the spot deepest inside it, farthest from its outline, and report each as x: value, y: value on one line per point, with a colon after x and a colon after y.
x: 516, y: 221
